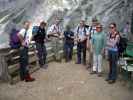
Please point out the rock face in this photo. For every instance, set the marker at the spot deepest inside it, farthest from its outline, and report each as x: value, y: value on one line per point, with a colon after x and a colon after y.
x: 13, y: 12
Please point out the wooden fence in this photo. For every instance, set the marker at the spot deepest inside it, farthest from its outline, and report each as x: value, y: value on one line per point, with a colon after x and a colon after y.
x: 9, y: 62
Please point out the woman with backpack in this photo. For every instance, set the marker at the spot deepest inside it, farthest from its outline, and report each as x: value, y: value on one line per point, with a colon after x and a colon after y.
x: 112, y: 41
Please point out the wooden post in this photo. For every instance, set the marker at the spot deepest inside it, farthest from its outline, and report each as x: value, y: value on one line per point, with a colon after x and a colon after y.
x: 4, y: 74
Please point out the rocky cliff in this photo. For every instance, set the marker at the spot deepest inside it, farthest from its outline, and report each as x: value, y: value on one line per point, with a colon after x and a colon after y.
x: 13, y: 12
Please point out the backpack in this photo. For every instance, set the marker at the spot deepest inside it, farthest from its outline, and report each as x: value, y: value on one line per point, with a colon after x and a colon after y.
x: 35, y: 30
x: 14, y: 39
x: 122, y: 44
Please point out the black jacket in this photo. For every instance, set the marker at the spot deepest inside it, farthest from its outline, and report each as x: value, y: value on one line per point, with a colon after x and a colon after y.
x: 40, y: 36
x: 68, y: 37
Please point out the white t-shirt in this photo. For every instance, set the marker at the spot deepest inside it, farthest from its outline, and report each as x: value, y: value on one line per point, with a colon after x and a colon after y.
x: 81, y: 32
x: 54, y: 29
x: 26, y: 38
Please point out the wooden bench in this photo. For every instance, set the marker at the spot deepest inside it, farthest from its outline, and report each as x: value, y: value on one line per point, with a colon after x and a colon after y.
x: 127, y: 64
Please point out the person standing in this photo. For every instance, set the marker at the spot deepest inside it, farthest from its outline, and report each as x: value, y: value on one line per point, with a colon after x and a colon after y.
x: 81, y: 38
x: 40, y: 39
x: 113, y: 53
x: 24, y: 58
x: 126, y: 31
x: 68, y: 43
x: 55, y: 34
x: 98, y: 42
x: 92, y: 31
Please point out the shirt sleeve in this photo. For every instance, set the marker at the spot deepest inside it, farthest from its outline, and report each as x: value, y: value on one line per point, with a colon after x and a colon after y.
x: 50, y: 29
x: 75, y: 31
x: 22, y: 32
x: 60, y: 29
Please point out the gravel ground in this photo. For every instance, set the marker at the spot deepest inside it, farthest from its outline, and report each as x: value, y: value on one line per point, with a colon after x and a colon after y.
x: 65, y: 81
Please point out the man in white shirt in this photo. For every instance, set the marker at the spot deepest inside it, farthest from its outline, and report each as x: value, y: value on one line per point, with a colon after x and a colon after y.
x: 55, y: 34
x: 81, y: 38
x: 24, y: 39
x: 92, y: 31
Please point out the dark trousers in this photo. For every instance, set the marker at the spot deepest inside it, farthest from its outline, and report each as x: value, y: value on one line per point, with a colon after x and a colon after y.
x: 113, y: 58
x: 24, y: 62
x: 42, y: 53
x: 81, y: 50
x: 68, y: 51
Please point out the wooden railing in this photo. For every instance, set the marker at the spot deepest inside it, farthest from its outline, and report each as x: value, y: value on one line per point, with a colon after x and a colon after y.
x: 9, y: 62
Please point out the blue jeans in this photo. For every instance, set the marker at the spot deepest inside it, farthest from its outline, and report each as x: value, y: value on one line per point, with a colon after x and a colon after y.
x: 24, y: 58
x: 113, y: 58
x: 68, y: 50
x: 42, y: 53
x: 81, y: 51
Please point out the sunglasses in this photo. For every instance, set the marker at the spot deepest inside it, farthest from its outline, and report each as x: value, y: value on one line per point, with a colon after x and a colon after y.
x: 98, y: 27
x: 111, y: 27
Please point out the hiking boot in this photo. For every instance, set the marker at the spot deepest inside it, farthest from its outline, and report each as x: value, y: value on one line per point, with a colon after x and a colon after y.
x: 99, y: 74
x: 111, y: 81
x: 78, y: 63
x: 107, y: 79
x: 45, y: 66
x: 93, y: 72
x: 22, y: 79
x: 84, y: 63
x: 89, y: 66
x: 28, y: 78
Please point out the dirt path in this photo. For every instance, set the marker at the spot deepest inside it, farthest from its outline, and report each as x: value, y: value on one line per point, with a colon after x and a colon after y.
x: 65, y: 81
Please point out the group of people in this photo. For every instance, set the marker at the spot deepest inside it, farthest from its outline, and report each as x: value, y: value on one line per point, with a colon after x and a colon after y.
x: 85, y: 37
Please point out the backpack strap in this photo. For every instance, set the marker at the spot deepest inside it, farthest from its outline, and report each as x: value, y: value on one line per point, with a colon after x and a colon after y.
x: 78, y: 30
x: 115, y: 35
x: 25, y: 34
x: 90, y: 31
x: 83, y: 30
